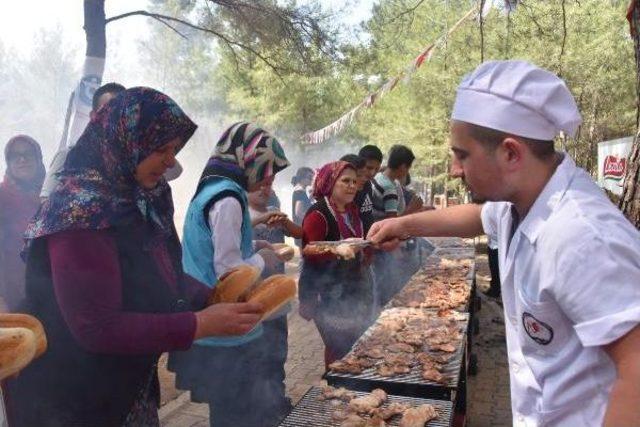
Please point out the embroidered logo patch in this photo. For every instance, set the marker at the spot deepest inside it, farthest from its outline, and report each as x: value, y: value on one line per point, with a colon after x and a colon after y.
x: 537, y: 330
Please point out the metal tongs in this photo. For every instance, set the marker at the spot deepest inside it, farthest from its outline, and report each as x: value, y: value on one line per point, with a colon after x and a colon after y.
x: 355, y: 242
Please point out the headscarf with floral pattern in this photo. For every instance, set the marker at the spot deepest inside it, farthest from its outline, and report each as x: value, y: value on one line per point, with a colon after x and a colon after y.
x: 97, y: 188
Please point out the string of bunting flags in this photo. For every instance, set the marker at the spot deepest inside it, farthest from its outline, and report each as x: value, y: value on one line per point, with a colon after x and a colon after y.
x: 346, y: 119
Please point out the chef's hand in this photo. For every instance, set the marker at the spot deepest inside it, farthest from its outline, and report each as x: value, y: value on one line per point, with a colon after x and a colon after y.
x: 386, y: 234
x: 226, y: 319
x: 270, y: 257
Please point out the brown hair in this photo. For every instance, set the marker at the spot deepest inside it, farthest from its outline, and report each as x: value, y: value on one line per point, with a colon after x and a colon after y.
x: 542, y: 150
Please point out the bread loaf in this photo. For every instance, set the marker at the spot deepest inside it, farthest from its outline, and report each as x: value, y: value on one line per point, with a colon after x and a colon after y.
x: 234, y: 284
x: 273, y: 293
x: 18, y: 320
x: 17, y: 350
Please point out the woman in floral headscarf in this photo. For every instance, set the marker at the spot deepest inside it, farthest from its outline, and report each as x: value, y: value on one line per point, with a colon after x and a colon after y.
x: 228, y: 373
x: 104, y: 274
x: 19, y: 201
x: 337, y: 294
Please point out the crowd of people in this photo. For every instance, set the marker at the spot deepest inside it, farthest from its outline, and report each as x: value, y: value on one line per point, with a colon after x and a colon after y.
x: 114, y: 286
x: 105, y: 271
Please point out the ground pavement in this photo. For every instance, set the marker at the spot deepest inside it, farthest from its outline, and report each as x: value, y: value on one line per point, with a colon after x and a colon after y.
x: 488, y: 394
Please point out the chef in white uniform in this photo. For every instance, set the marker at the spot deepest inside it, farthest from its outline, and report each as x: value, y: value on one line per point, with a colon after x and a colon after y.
x: 569, y: 260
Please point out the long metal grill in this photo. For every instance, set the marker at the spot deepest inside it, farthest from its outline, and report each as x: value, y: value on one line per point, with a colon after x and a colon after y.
x: 311, y: 412
x: 411, y: 384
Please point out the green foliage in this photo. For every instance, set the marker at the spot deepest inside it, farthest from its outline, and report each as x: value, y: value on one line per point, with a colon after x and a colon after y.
x: 594, y: 56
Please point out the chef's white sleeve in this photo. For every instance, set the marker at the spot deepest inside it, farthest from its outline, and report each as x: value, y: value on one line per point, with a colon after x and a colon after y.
x: 597, y: 285
x: 489, y: 217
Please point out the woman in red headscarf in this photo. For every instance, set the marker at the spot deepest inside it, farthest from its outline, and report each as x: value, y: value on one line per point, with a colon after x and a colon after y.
x: 337, y: 294
x: 19, y: 201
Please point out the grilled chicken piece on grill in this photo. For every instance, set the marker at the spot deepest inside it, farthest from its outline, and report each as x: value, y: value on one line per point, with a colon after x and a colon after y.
x: 401, y: 348
x: 431, y: 374
x: 340, y: 415
x: 401, y: 369
x: 429, y: 362
x: 418, y: 416
x: 385, y: 370
x: 412, y: 338
x: 390, y: 411
x: 353, y: 420
x: 365, y: 362
x: 329, y: 393
x: 364, y: 404
x: 375, y: 422
x: 346, y: 366
x: 399, y: 359
x: 443, y: 358
x: 375, y: 352
x: 448, y: 348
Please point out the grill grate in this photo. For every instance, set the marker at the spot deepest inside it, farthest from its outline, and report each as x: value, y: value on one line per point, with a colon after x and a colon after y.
x: 411, y: 384
x: 311, y: 412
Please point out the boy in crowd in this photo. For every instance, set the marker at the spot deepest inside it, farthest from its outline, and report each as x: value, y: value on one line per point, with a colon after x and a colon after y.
x: 388, y: 199
x: 372, y: 157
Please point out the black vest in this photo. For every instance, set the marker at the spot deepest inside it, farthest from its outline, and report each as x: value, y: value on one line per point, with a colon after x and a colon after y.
x: 328, y: 278
x: 69, y: 386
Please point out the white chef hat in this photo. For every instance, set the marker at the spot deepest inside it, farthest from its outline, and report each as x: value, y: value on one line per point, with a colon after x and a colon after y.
x: 519, y: 98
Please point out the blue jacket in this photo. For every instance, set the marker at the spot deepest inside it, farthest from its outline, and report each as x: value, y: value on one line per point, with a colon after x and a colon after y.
x: 198, y: 251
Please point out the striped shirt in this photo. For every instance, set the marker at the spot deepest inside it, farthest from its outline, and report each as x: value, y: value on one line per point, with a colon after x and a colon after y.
x: 386, y: 197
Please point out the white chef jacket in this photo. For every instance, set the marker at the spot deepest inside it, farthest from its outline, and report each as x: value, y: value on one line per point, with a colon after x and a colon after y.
x: 570, y: 284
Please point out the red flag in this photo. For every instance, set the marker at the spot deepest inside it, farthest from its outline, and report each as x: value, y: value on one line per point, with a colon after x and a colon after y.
x: 420, y: 58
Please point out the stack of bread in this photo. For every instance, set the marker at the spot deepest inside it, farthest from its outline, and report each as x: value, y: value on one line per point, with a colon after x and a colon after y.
x: 243, y: 284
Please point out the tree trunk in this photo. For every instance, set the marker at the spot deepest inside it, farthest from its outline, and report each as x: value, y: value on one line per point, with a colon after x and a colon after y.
x: 630, y: 200
x: 94, y: 28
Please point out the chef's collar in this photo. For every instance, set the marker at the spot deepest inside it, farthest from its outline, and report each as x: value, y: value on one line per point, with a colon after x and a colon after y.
x: 550, y: 197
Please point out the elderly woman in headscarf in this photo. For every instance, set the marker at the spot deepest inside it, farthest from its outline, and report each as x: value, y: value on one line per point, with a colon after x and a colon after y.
x: 229, y: 374
x: 104, y: 274
x: 19, y: 201
x: 337, y: 294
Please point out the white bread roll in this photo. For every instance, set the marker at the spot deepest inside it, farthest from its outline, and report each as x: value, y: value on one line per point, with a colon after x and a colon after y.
x: 19, y: 320
x: 273, y: 293
x: 17, y: 350
x: 234, y: 284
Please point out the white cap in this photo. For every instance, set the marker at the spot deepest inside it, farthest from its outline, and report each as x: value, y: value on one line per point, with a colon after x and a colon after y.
x: 519, y: 98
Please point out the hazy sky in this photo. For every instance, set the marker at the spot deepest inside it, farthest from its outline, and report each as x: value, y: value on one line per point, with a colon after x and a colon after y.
x: 20, y: 20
